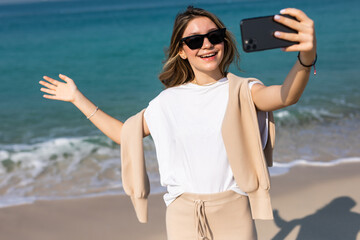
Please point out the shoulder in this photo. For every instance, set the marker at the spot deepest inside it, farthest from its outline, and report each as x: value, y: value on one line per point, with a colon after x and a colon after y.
x: 237, y: 81
x: 162, y: 96
x: 161, y: 102
x: 169, y: 94
x: 233, y: 77
x: 157, y: 111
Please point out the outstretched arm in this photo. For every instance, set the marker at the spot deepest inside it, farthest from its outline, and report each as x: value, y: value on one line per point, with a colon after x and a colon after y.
x: 279, y: 96
x: 68, y: 91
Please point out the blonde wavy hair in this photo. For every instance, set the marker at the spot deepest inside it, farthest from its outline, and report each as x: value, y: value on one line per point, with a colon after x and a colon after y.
x: 177, y: 71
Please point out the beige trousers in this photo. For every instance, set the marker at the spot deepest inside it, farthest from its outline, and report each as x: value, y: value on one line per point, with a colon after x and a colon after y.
x: 219, y: 216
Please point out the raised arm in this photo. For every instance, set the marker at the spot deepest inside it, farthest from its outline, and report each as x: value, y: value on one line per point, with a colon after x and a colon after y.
x: 270, y: 98
x: 68, y: 91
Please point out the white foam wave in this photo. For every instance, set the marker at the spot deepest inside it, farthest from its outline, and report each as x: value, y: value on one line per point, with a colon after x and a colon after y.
x: 64, y: 168
x: 306, y: 113
x: 282, y: 114
x: 319, y: 113
x: 283, y: 168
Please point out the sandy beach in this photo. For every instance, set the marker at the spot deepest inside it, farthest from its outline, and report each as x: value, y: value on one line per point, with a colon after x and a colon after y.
x: 309, y: 203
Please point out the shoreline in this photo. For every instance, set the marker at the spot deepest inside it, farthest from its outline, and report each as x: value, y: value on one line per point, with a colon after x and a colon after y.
x: 278, y: 169
x: 301, y: 194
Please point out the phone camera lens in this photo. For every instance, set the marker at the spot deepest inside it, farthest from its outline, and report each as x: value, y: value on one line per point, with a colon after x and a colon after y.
x: 254, y: 46
x: 250, y: 41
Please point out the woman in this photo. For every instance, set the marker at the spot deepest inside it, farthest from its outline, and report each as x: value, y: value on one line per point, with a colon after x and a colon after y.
x: 212, y: 152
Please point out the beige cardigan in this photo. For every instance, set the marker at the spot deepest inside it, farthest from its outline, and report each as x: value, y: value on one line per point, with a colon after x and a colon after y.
x: 242, y: 141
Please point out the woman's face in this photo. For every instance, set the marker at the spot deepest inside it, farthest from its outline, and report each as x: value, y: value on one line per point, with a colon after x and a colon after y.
x: 205, y: 60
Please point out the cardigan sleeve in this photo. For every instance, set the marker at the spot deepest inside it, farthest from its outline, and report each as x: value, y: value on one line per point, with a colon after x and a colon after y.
x: 134, y: 177
x: 263, y: 118
x: 247, y: 158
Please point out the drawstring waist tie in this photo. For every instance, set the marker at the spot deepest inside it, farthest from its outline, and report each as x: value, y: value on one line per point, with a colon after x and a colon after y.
x: 202, y: 201
x: 202, y: 225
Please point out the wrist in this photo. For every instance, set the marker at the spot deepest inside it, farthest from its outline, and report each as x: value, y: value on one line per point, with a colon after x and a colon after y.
x: 307, y: 58
x: 77, y: 97
x: 312, y: 64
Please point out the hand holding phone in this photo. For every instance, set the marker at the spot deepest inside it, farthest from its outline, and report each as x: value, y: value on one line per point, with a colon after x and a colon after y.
x: 257, y: 33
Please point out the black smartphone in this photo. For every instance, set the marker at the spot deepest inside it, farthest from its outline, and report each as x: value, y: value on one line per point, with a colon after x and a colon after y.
x: 257, y: 33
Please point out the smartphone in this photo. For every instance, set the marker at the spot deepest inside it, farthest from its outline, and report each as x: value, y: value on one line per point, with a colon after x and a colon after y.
x: 257, y: 33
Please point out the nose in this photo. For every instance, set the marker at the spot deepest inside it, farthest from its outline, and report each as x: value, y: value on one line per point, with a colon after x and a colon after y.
x: 207, y: 43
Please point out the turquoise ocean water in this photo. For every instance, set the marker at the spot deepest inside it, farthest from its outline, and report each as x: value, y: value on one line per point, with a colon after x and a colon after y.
x: 114, y: 52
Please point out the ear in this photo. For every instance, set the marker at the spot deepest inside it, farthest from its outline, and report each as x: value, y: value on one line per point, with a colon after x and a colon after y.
x: 182, y: 54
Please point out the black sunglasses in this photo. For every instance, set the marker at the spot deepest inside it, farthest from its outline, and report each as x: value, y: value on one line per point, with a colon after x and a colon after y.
x: 196, y: 41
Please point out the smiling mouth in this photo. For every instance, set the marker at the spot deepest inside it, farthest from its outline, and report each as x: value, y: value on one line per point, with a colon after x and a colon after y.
x: 208, y: 55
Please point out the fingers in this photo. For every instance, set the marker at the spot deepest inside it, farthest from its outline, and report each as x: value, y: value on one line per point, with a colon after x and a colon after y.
x: 305, y: 41
x: 287, y: 36
x: 297, y: 13
x: 59, y: 90
x: 298, y: 48
x: 305, y: 36
x: 303, y: 23
x: 50, y: 97
x: 291, y: 23
x: 48, y: 85
x: 51, y: 87
x: 52, y: 81
x: 65, y: 78
x: 292, y: 48
x: 55, y: 82
x: 49, y: 91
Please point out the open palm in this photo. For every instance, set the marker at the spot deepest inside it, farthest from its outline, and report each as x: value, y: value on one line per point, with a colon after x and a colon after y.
x: 58, y: 90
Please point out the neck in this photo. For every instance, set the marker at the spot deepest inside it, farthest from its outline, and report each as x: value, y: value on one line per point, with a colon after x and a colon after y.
x: 207, y: 78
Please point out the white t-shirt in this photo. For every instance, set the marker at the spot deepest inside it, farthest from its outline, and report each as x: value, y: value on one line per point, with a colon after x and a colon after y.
x: 185, y: 123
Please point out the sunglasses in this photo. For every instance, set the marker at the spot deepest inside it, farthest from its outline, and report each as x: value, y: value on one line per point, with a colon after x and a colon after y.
x: 196, y: 41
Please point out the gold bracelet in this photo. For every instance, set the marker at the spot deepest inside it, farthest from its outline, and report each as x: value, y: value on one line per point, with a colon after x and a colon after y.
x: 97, y: 108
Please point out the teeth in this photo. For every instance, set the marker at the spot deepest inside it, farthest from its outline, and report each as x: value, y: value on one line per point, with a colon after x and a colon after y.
x: 209, y: 55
